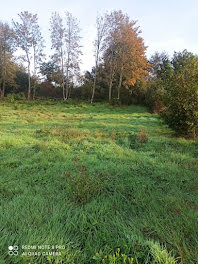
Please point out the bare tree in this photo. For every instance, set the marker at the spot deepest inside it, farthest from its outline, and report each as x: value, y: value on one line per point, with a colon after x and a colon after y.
x: 28, y: 38
x: 101, y: 29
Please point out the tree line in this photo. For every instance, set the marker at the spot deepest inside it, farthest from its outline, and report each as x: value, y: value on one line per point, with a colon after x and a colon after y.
x: 118, y: 48
x: 122, y: 73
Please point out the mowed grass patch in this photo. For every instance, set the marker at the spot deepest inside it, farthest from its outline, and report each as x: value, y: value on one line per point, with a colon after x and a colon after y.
x: 96, y: 178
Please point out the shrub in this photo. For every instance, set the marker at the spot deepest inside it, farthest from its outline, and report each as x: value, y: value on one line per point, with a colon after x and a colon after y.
x: 182, y: 96
x: 155, y: 95
x: 69, y: 101
x: 16, y: 106
x: 115, y: 102
x: 172, y: 91
x: 11, y: 98
x: 19, y: 96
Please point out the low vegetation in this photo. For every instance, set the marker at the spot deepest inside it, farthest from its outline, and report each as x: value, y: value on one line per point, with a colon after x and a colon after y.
x: 111, y: 183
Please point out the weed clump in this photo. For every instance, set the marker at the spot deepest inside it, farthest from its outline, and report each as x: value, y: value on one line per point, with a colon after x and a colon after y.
x: 113, y: 258
x: 142, y: 136
x: 85, y: 186
x: 150, y: 251
x: 136, y: 140
x: 62, y: 133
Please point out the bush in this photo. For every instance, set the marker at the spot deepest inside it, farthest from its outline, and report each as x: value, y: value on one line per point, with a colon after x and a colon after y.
x: 173, y: 92
x: 155, y: 95
x: 13, y: 97
x: 182, y: 97
x: 115, y: 102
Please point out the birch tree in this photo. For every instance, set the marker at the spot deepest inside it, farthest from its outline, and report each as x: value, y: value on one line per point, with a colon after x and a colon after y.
x: 29, y: 39
x: 57, y: 39
x: 73, y: 51
x: 110, y: 61
x: 98, y: 43
x: 38, y: 46
x: 65, y: 37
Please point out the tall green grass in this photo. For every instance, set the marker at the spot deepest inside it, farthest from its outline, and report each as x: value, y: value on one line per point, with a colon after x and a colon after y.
x: 84, y: 176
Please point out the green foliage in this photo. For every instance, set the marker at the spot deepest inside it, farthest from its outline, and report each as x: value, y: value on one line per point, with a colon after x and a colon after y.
x: 117, y: 257
x: 160, y: 254
x: 173, y: 91
x: 21, y: 80
x: 15, y: 97
x: 148, y: 253
x: 115, y: 102
x: 182, y: 97
x: 155, y: 95
x: 11, y: 98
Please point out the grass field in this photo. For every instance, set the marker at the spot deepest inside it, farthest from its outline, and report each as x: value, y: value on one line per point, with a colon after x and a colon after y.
x: 77, y: 175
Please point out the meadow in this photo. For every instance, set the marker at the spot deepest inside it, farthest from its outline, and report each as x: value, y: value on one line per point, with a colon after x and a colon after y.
x: 111, y: 184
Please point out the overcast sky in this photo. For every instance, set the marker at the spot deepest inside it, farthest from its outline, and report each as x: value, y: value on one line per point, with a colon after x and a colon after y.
x: 167, y: 25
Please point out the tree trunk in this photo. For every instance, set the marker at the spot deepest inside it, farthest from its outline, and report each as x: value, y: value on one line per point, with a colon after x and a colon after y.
x: 34, y: 91
x: 111, y: 82
x: 110, y: 88
x: 34, y: 85
x: 29, y: 87
x: 63, y: 81
x: 111, y: 75
x: 3, y: 76
x: 70, y: 88
x: 67, y: 88
x: 29, y: 82
x: 63, y: 86
x: 120, y: 82
x: 94, y: 87
x: 0, y: 87
x: 3, y: 89
x: 67, y: 76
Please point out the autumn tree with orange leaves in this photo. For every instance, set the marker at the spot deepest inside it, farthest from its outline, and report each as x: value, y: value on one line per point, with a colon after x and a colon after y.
x: 124, y: 52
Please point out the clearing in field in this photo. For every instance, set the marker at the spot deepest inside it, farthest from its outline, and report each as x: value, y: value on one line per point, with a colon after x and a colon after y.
x: 95, y: 179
